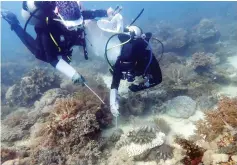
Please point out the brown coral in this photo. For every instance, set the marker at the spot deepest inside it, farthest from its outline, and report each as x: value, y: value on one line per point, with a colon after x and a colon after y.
x: 73, y: 131
x: 194, y: 153
x: 216, y: 120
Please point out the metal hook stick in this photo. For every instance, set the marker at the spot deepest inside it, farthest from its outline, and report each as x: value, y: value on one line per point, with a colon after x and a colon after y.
x: 94, y: 93
x: 116, y: 122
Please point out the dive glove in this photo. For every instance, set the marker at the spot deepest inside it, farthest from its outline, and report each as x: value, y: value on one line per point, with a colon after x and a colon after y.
x: 114, y: 105
x: 78, y: 79
x: 70, y: 72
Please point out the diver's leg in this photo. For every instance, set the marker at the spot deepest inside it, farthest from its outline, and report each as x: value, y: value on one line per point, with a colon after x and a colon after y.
x: 27, y: 39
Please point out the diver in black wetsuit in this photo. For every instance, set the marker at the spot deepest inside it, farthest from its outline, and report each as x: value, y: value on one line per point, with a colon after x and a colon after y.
x: 136, y: 59
x: 59, y: 26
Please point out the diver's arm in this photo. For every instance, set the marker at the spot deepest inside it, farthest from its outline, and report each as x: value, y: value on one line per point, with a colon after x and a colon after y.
x: 51, y: 56
x: 61, y: 65
x: 117, y: 75
x: 92, y: 14
x: 64, y: 68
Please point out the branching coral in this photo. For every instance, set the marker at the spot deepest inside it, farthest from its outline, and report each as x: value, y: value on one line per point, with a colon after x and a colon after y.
x: 194, y: 153
x: 217, y: 120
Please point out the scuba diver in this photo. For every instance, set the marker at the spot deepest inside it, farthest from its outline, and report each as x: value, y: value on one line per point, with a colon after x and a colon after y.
x: 59, y: 26
x: 136, y: 59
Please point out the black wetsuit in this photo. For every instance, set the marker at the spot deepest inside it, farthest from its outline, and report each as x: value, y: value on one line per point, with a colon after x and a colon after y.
x: 134, y: 58
x: 43, y: 47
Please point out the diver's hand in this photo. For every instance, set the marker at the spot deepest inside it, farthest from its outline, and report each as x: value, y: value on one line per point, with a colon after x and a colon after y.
x: 114, y: 105
x: 9, y: 17
x: 110, y: 12
x: 78, y: 79
x: 136, y: 88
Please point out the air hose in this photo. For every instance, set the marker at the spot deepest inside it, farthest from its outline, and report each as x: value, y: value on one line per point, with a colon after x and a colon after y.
x: 106, y: 45
x: 162, y: 48
x: 149, y: 63
x: 137, y: 17
x: 106, y: 50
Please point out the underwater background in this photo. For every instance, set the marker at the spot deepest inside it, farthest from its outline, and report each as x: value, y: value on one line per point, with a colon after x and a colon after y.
x: 188, y: 119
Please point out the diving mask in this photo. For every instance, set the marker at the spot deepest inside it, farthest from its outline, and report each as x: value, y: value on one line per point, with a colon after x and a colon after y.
x: 69, y: 24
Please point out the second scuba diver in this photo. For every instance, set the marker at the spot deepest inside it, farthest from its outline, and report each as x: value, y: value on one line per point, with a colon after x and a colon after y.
x: 136, y: 59
x: 59, y: 26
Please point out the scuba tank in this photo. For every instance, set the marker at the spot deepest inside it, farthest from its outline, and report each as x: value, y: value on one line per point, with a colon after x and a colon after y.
x: 31, y: 13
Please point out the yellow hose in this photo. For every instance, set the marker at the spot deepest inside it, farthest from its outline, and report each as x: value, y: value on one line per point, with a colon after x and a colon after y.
x: 119, y: 44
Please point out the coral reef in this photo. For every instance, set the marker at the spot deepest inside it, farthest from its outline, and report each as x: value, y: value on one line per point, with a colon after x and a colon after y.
x: 30, y: 88
x: 16, y: 125
x: 162, y: 152
x: 138, y: 142
x: 9, y: 154
x: 169, y: 58
x: 174, y: 40
x: 6, y: 110
x: 181, y: 107
x: 135, y: 105
x: 216, y: 121
x: 119, y: 157
x: 179, y: 74
x: 227, y: 144
x: 4, y: 89
x: 76, y: 122
x: 206, y: 102
x: 177, y: 42
x: 205, y: 31
x: 162, y: 125
x: 202, y: 62
x: 48, y: 98
x: 194, y: 153
x: 12, y: 72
